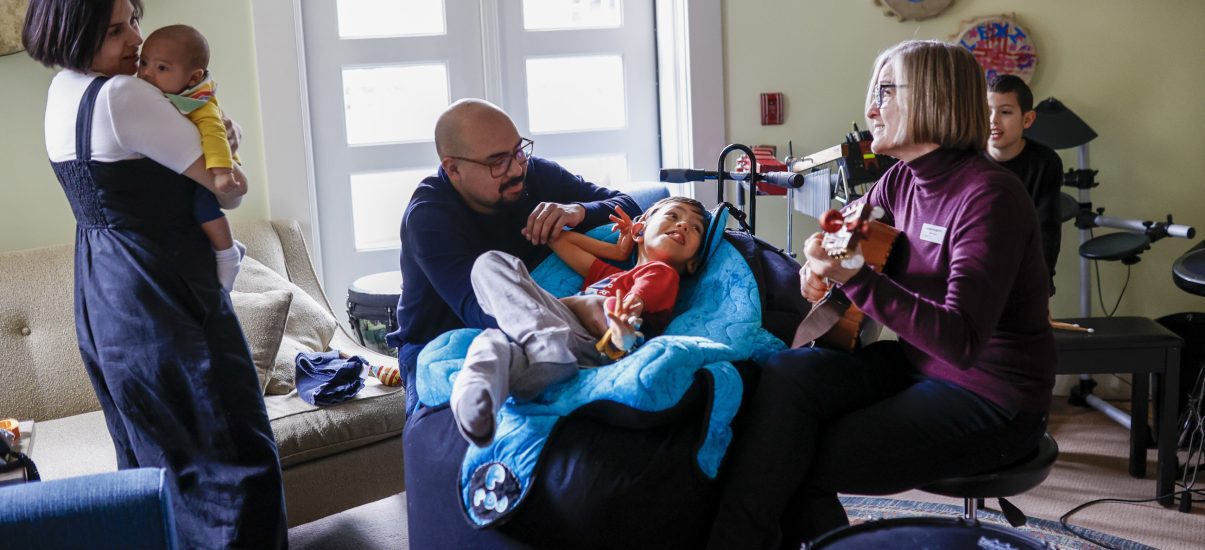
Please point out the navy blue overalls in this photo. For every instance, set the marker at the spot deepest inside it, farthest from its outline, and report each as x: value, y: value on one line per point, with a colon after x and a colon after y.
x: 164, y: 350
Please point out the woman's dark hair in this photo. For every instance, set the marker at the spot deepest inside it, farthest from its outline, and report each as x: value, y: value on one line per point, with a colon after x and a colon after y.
x: 68, y: 33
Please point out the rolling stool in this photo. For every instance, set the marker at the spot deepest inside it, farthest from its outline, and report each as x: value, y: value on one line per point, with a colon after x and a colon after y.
x: 1008, y: 481
x: 963, y: 532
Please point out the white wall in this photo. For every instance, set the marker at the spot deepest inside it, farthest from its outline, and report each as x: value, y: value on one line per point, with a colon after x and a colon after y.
x: 1128, y: 68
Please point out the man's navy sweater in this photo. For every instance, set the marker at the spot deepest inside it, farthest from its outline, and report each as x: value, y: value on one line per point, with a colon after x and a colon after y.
x: 442, y: 237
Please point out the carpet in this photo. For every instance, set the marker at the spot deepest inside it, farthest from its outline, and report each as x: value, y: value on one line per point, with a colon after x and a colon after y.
x: 870, y: 508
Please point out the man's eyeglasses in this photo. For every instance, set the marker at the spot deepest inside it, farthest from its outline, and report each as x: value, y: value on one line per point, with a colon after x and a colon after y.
x: 882, y: 95
x: 500, y: 164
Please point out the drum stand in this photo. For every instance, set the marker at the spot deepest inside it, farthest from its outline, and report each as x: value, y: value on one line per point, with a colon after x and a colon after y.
x: 1125, y: 247
x: 1188, y: 272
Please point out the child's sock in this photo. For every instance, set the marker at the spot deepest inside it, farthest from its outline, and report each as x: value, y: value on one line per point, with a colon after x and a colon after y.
x: 229, y: 261
x: 482, y: 386
x: 474, y: 414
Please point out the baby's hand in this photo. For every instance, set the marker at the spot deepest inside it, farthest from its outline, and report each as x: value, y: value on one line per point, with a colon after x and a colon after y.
x: 224, y: 180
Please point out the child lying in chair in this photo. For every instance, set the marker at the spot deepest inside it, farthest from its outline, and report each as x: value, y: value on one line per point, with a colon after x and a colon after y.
x: 541, y: 340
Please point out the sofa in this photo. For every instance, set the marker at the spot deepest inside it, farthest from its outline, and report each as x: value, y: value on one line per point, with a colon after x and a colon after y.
x: 333, y: 458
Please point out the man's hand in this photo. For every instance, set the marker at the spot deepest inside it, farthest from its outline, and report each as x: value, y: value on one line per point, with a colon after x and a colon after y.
x: 589, y: 309
x: 234, y: 133
x: 549, y: 218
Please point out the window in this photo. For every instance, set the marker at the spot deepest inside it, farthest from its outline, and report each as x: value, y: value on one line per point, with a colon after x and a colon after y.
x: 378, y: 76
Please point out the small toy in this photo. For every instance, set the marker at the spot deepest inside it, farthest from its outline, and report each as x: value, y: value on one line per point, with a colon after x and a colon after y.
x: 387, y: 374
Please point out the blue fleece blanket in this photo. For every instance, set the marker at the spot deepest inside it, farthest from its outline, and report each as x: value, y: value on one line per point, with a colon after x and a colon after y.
x: 717, y: 320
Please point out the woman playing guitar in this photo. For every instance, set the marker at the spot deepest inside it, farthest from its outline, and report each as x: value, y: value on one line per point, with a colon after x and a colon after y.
x: 966, y: 388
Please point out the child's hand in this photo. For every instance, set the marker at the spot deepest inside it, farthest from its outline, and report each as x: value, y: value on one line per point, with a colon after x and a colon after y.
x: 623, y: 222
x: 624, y: 316
x: 626, y: 228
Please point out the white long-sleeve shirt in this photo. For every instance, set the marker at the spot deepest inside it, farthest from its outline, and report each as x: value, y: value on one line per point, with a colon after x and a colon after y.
x: 132, y: 120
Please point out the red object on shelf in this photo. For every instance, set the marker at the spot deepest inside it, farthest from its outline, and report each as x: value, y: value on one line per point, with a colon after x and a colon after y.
x: 763, y: 157
x: 771, y: 108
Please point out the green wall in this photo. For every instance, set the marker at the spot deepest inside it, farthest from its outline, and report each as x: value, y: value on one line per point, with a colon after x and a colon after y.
x: 1129, y: 69
x: 32, y: 206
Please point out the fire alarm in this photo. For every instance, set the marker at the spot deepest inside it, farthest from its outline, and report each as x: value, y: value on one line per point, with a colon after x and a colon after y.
x: 771, y: 108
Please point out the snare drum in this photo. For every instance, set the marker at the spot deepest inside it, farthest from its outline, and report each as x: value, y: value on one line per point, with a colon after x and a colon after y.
x: 926, y: 532
x: 372, y: 309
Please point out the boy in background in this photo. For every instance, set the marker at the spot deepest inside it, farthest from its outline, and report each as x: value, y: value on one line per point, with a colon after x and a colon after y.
x: 175, y: 59
x: 1041, y: 170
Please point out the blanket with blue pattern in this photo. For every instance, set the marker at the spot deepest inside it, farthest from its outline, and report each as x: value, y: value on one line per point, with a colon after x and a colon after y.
x: 717, y: 320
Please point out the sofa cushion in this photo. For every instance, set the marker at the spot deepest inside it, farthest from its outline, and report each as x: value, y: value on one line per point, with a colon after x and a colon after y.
x: 305, y: 432
x: 262, y: 316
x: 80, y: 444
x: 309, y: 326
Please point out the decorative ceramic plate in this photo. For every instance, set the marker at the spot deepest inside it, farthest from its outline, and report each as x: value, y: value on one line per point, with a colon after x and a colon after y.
x: 1000, y: 45
x: 12, y: 17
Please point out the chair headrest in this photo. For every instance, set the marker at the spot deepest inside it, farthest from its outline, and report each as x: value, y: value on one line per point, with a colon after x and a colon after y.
x: 717, y: 220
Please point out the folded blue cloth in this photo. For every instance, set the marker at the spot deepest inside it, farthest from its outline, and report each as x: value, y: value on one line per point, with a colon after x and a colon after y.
x: 325, y: 378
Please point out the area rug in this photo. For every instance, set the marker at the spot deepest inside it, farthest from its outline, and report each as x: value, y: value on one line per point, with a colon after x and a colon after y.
x: 869, y: 508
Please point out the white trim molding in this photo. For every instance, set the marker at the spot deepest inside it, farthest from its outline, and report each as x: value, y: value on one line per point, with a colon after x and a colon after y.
x: 285, y: 116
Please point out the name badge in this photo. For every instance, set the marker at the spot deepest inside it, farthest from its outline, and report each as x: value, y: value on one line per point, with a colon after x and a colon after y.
x: 932, y: 233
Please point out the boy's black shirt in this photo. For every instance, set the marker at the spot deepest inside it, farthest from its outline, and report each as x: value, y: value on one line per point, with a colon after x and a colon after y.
x: 1041, y: 170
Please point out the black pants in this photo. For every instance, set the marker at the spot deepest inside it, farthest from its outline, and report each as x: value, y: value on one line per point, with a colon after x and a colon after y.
x: 823, y: 422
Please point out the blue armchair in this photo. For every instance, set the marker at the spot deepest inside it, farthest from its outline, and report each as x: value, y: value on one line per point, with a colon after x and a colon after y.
x: 124, y: 509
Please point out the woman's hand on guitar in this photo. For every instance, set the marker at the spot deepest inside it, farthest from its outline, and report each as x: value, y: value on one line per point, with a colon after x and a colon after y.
x: 823, y: 266
x: 811, y: 285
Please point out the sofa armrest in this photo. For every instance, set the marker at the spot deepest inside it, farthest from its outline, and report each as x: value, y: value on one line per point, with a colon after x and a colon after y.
x: 125, y: 509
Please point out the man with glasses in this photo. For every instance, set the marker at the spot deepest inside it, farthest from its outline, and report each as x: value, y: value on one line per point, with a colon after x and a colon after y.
x: 489, y: 194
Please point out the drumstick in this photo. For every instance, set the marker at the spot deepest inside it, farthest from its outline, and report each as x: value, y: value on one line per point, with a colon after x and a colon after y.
x: 1070, y: 326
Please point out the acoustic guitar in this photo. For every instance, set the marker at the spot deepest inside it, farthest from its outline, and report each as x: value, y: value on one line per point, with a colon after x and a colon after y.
x: 834, y: 318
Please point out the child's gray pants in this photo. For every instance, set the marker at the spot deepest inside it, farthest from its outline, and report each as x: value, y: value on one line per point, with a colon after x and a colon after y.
x: 538, y: 342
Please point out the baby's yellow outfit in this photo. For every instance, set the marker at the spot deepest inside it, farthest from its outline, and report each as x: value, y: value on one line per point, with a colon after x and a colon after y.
x: 200, y: 105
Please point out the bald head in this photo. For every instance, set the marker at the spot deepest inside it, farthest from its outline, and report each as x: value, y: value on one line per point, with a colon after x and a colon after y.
x: 464, y: 120
x: 188, y: 42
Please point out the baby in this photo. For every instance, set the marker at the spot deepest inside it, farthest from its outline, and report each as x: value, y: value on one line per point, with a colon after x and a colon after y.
x: 541, y: 340
x: 175, y: 59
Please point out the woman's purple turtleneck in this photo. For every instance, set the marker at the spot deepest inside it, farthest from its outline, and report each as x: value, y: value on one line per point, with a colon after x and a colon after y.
x: 966, y: 286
